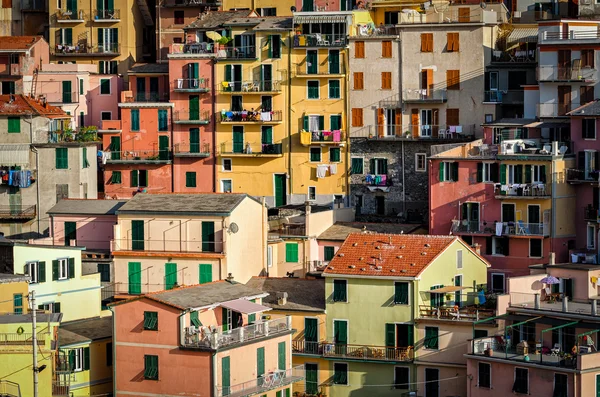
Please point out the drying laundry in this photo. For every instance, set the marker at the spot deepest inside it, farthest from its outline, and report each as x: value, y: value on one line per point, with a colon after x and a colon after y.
x: 321, y: 170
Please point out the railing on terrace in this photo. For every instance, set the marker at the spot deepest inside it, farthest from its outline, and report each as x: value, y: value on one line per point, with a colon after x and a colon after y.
x: 244, y: 52
x: 217, y: 337
x: 193, y: 3
x: 261, y: 385
x: 576, y: 175
x: 540, y: 301
x: 62, y: 97
x: 535, y: 189
x: 9, y: 389
x: 555, y: 109
x: 250, y: 148
x: 192, y: 48
x: 148, y: 97
x: 71, y: 136
x: 450, y: 15
x: 331, y: 137
x: 525, y: 229
x: 138, y: 156
x: 107, y: 15
x: 304, y: 69
x: 198, y: 149
x: 187, y: 117
x: 424, y: 95
x: 70, y: 15
x: 15, y: 339
x: 553, y: 73
x: 357, y: 352
x: 162, y: 245
x: 466, y: 226
x: 457, y: 307
x: 17, y: 212
x: 414, y: 132
x: 516, y: 56
x: 320, y: 40
x: 199, y: 84
x: 507, y: 96
x: 249, y: 116
x: 83, y: 48
x: 251, y: 86
x: 288, y: 230
x: 116, y: 289
x: 570, y: 35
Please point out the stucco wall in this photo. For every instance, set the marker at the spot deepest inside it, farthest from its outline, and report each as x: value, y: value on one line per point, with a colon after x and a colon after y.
x: 93, y: 232
x: 9, y: 289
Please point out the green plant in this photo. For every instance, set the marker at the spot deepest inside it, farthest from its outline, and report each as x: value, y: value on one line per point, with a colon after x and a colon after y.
x: 224, y: 40
x: 87, y: 134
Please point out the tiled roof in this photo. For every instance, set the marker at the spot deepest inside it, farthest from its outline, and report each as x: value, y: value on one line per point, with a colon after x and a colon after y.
x: 174, y: 203
x: 303, y: 294
x: 263, y: 23
x: 20, y: 43
x: 86, y: 207
x: 217, y: 19
x: 387, y: 255
x: 340, y: 230
x: 589, y: 109
x: 86, y: 330
x: 18, y: 105
x: 149, y: 68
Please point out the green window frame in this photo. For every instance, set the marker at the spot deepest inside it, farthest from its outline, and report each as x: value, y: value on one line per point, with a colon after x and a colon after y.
x: 14, y: 125
x: 18, y: 303
x: 80, y: 86
x: 151, y: 321
x: 274, y: 46
x: 170, y: 275
x: 194, y: 319
x: 312, y: 87
x: 115, y: 177
x: 401, y: 295
x: 84, y: 161
x: 260, y: 362
x: 67, y: 95
x: 62, y: 158
x: 190, y: 179
x: 340, y: 373
x: 357, y: 166
x: 334, y: 89
x: 135, y: 119
x: 312, y: 378
x: 335, y: 122
x: 134, y: 278
x: 335, y: 154
x: 315, y: 154
x: 104, y: 86
x: 225, y: 376
x: 328, y: 253
x: 205, y: 273
x: 431, y: 338
x: 150, y: 367
x: 163, y: 120
x: 137, y: 235
x: 340, y: 290
x: 291, y: 252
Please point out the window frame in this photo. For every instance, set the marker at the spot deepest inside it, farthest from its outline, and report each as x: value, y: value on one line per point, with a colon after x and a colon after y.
x: 503, y: 282
x: 408, y: 300
x: 188, y: 174
x: 541, y: 247
x: 592, y: 227
x: 150, y: 314
x: 362, y: 161
x: 8, y: 121
x: 34, y: 278
x: 339, y: 280
x: 334, y: 149
x: 554, y: 383
x: 63, y: 269
x: 584, y: 130
x: 109, y: 87
x: 396, y: 380
x: 222, y: 186
x: 157, y: 361
x: 515, y: 379
x: 347, y: 371
x: 308, y: 88
x: 486, y: 174
x: 437, y: 346
x: 339, y: 91
x: 18, y: 309
x: 310, y: 149
x: 377, y: 171
x: 328, y: 247
x: 105, y: 112
x: 489, y: 386
x: 417, y: 168
x: 78, y: 363
x: 311, y: 196
x: 223, y: 168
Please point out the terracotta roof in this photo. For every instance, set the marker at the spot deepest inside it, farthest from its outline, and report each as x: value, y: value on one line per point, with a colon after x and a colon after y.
x: 389, y: 255
x: 18, y: 43
x: 217, y: 19
x: 589, y: 109
x: 18, y: 105
x: 340, y: 230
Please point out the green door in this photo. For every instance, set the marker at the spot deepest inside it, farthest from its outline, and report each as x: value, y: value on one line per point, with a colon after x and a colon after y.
x: 238, y: 139
x: 135, y: 278
x: 208, y: 237
x: 334, y: 61
x: 225, y: 376
x: 260, y: 362
x: 280, y: 193
x: 137, y: 235
x: 312, y: 61
x: 225, y: 319
x: 115, y: 148
x: 281, y: 356
x: 311, y: 341
x: 72, y: 6
x: 70, y: 232
x: 140, y: 85
x: 163, y: 147
x: 312, y: 381
x: 307, y: 5
x: 170, y: 275
x: 67, y: 96
x: 194, y: 104
x: 340, y: 334
x: 194, y: 140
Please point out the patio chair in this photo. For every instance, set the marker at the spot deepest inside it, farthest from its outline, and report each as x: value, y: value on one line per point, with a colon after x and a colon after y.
x: 321, y: 40
x: 521, y: 228
x: 555, y: 350
x: 500, y: 342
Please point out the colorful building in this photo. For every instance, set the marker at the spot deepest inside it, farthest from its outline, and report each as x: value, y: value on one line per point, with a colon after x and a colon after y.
x: 21, y: 58
x: 164, y: 344
x: 393, y: 303
x: 15, y: 293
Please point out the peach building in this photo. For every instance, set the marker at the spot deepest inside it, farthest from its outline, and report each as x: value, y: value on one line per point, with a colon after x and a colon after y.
x: 20, y: 58
x: 210, y: 340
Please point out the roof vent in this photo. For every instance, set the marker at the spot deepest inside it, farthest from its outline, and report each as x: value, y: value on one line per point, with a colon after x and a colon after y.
x: 378, y: 268
x: 398, y: 256
x: 355, y: 245
x: 363, y: 269
x: 378, y: 247
x: 393, y: 270
x: 341, y: 254
x: 404, y: 271
x: 361, y: 258
x: 351, y: 266
x: 403, y: 246
x: 330, y: 267
x: 282, y: 298
x: 413, y: 264
x: 423, y: 253
x: 427, y: 245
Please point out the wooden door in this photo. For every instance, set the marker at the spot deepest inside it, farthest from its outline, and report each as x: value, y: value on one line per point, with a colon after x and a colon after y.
x: 414, y: 122
x: 564, y: 99
x: 564, y: 64
x: 435, y: 122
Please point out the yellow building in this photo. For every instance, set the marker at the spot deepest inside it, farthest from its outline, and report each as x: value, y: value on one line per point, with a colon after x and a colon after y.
x: 14, y: 290
x: 86, y: 345
x: 265, y: 8
x: 111, y: 37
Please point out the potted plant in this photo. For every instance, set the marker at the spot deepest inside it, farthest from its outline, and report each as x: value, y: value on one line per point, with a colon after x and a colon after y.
x: 488, y: 352
x: 407, y: 134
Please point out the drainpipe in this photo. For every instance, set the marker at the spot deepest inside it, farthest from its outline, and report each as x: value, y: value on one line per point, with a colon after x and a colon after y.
x: 553, y: 213
x: 403, y: 185
x: 37, y: 167
x: 347, y: 73
x: 214, y: 124
x: 402, y: 111
x: 214, y: 373
x: 114, y: 349
x: 158, y: 44
x: 289, y: 110
x: 172, y: 146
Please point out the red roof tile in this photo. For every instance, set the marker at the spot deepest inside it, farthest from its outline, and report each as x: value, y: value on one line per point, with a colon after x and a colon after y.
x: 389, y: 255
x: 20, y: 105
x: 21, y: 43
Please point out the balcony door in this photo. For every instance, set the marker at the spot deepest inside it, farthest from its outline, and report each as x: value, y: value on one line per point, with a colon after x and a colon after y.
x: 564, y: 99
x: 426, y: 83
x: 426, y: 121
x: 391, y: 122
x: 564, y: 64
x: 470, y: 215
x: 266, y: 78
x: 108, y: 38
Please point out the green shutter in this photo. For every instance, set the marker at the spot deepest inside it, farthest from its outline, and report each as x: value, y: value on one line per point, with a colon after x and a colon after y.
x: 390, y: 335
x: 133, y: 178
x: 321, y: 123
x: 305, y: 125
x: 335, y: 155
x: 54, y: 270
x: 328, y: 253
x: 528, y: 173
x: 72, y: 359
x: 195, y: 320
x: 228, y: 72
x: 340, y: 332
x: 62, y: 158
x: 431, y: 338
x: 151, y: 321
x: 135, y: 278
x: 86, y: 358
x: 137, y: 235
x: 519, y: 173
x: 190, y: 179
x: 270, y: 49
x: 291, y: 252
x: 267, y: 135
x: 312, y: 379
x: 225, y: 376
x: 357, y: 167
x: 334, y: 90
x: 281, y: 356
x: 454, y: 168
x: 80, y: 86
x: 71, y: 267
x: 238, y: 139
x: 68, y: 36
x: 543, y: 173
x: 41, y: 272
x: 401, y: 293
x: 260, y: 362
x: 194, y: 107
x: 151, y: 367
x: 84, y: 161
x: 194, y: 140
x: 115, y: 148
x: 208, y: 236
x: 339, y: 291
x: 163, y: 120
x: 163, y: 146
x: 205, y: 272
x: 170, y: 275
x: 70, y: 232
x: 56, y: 307
x: 334, y: 61
x: 66, y: 92
x: 479, y: 172
x: 503, y: 174
x: 116, y: 177
x: 442, y: 164
x: 310, y: 330
x: 135, y: 119
x: 335, y: 121
x: 14, y: 124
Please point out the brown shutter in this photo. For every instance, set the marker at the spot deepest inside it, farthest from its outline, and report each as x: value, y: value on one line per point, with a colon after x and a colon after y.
x: 386, y: 80
x: 357, y: 119
x: 386, y: 49
x: 429, y: 85
x: 436, y: 123
x: 429, y: 42
x: 358, y: 81
x: 450, y: 43
x: 586, y: 94
x: 359, y: 49
x: 423, y: 42
x: 380, y: 122
x: 398, y: 121
x: 452, y: 117
x: 414, y: 122
x: 464, y: 14
x: 453, y: 79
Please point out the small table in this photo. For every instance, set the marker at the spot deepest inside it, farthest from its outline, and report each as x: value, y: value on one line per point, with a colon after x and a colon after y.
x: 555, y: 296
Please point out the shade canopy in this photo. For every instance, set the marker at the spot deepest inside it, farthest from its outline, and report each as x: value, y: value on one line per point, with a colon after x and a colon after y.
x: 445, y: 290
x: 14, y: 154
x: 244, y: 306
x: 550, y: 280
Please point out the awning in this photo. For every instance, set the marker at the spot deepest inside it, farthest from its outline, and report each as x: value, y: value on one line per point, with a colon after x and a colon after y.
x: 14, y: 154
x: 523, y: 35
x: 548, y: 124
x: 320, y: 19
x: 446, y: 290
x: 244, y: 306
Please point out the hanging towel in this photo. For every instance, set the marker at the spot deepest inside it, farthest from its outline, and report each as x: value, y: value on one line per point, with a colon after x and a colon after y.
x: 369, y: 178
x: 265, y: 116
x: 333, y: 169
x: 499, y: 226
x: 10, y: 177
x: 452, y: 129
x: 16, y: 178
x: 383, y: 180
x: 105, y: 157
x: 321, y: 171
x: 337, y: 135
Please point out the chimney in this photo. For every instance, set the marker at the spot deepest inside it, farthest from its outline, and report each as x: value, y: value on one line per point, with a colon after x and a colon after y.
x: 229, y: 277
x: 555, y: 148
x: 282, y: 298
x: 552, y: 259
x: 477, y: 248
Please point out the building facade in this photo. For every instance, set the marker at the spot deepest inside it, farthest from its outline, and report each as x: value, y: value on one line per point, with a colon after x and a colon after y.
x: 21, y: 58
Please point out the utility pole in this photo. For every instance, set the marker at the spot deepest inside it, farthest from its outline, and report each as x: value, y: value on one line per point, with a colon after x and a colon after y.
x: 34, y: 339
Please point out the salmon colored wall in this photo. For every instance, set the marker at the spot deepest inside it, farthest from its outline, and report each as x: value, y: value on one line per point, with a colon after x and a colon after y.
x: 163, y: 84
x: 93, y: 232
x: 159, y: 180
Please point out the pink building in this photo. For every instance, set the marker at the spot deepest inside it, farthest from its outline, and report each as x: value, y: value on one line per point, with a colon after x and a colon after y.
x: 210, y: 340
x: 20, y: 57
x: 507, y: 195
x: 546, y: 342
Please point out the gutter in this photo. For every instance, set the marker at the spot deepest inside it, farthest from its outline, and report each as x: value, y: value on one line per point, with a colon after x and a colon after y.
x: 37, y: 168
x: 214, y: 123
x: 114, y: 348
x: 289, y: 110
x: 346, y: 104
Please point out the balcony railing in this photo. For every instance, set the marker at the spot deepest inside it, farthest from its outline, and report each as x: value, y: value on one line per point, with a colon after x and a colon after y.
x: 251, y: 149
x: 561, y: 304
x: 84, y: 49
x: 466, y: 226
x: 191, y: 3
x: 555, y: 109
x: 177, y: 49
x: 521, y: 56
x: 524, y: 190
x: 320, y: 40
x: 245, y: 116
x: 415, y: 132
x: 187, y: 117
x: 559, y: 73
x: 464, y: 310
x: 62, y: 97
x: 590, y: 213
x: 245, y: 52
x: 17, y: 212
x: 33, y: 5
x: 256, y: 86
x: 148, y: 97
x: 524, y: 229
x: 139, y: 156
x: 355, y: 352
x: 15, y: 339
x: 378, y: 180
x: 507, y: 97
x: 107, y: 15
x: 162, y: 245
x: 578, y: 35
x: 66, y: 15
x: 217, y: 338
x: 10, y: 69
x: 118, y: 289
x: 336, y: 137
x: 261, y: 385
x: 579, y: 176
x: 424, y: 95
x: 66, y: 136
x: 305, y: 70
x: 191, y: 85
x: 186, y: 149
x: 9, y: 389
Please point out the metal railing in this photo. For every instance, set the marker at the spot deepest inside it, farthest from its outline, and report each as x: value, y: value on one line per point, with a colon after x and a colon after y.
x: 187, y: 148
x: 577, y: 175
x: 561, y: 303
x: 449, y: 15
x: 83, y: 48
x: 70, y: 15
x: 367, y: 352
x: 107, y: 15
x: 193, y: 3
x: 148, y: 97
x: 465, y: 308
x: 245, y: 116
x: 245, y: 52
x: 251, y: 86
x: 414, y: 132
x: 187, y: 117
x: 319, y: 40
x: 332, y: 137
x: 15, y: 339
x: 162, y: 245
x: 251, y: 148
x: 507, y: 96
x: 525, y: 229
x: 199, y: 84
x: 192, y: 48
x: 466, y: 226
x: 555, y: 109
x: 62, y: 97
x: 17, y: 212
x: 422, y: 95
x: 288, y: 230
x: 514, y: 56
x: 535, y: 189
x: 71, y: 136
x: 9, y: 389
x: 261, y: 385
x: 570, y: 35
x: 303, y: 69
x: 217, y: 337
x: 138, y: 155
x: 111, y: 290
x: 553, y: 73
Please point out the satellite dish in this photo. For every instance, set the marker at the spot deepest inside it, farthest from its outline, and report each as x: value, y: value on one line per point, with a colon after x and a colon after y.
x: 234, y: 228
x: 482, y: 5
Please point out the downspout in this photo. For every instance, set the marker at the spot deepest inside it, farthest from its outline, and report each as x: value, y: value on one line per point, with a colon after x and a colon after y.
x: 172, y: 147
x: 214, y: 125
x: 403, y: 187
x: 158, y: 44
x: 37, y: 167
x: 346, y: 104
x: 214, y: 374
x: 289, y: 118
x: 402, y: 111
x: 114, y: 349
x: 553, y: 213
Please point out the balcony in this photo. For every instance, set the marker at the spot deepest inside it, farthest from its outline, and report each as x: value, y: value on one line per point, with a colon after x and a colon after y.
x: 514, y: 56
x: 83, y: 49
x: 191, y: 85
x: 109, y: 16
x: 528, y: 301
x: 303, y: 70
x: 468, y: 310
x: 70, y: 16
x: 219, y: 338
x: 68, y: 136
x: 186, y: 149
x: 576, y: 176
x: 237, y: 53
x: 425, y: 95
x: 187, y: 117
x: 320, y: 40
x: 451, y: 15
x: 520, y: 228
x: 62, y: 97
x: 535, y: 190
x: 9, y: 389
x: 457, y: 133
x: 210, y: 248
x: 249, y: 117
x: 15, y: 339
x: 566, y: 74
x: 380, y: 180
x: 509, y: 97
x: 191, y: 50
x: 116, y: 291
x: 250, y: 87
x: 33, y: 5
x: 353, y: 352
x: 144, y: 97
x: 261, y: 385
x: 190, y: 3
x: 578, y: 36
x: 17, y: 212
x: 139, y: 157
x: 333, y: 138
x: 469, y: 227
x: 590, y: 213
x: 10, y: 69
x: 251, y: 149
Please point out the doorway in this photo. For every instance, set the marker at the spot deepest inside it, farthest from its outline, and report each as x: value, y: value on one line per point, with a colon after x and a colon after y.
x: 280, y: 191
x: 380, y: 205
x: 390, y: 120
x: 426, y: 122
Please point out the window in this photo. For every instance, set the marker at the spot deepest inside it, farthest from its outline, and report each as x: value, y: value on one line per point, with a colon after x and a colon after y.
x: 378, y: 166
x: 62, y: 191
x: 484, y: 375
x: 62, y: 158
x: 36, y: 271
x: 313, y: 89
x: 497, y: 283
x: 453, y: 79
x: 459, y: 259
x: 359, y: 49
x: 226, y: 165
x: 334, y: 89
x: 340, y: 291
x: 139, y: 178
x: 274, y: 46
x: 335, y: 155
x: 521, y: 384
x: 163, y: 120
x: 115, y: 177
x: 267, y: 12
x: 500, y: 246
x: 535, y: 248
x: 358, y: 81
x: 291, y: 252
x: 226, y: 186
x: 386, y: 80
x: 66, y: 36
x: 135, y: 119
x: 340, y: 373
x: 431, y: 337
x: 106, y: 116
x: 107, y: 67
x: 80, y: 86
x: 84, y: 161
x: 452, y: 117
x: 420, y: 162
x: 14, y: 124
x: 312, y: 193
x: 426, y: 42
x: 453, y: 42
x: 151, y: 321
x: 508, y: 212
x: 109, y: 354
x: 104, y: 270
x: 79, y: 359
x: 588, y: 128
x: 63, y: 269
x: 18, y: 303
x: 190, y: 179
x: 586, y: 94
x: 357, y: 117
x: 178, y: 17
x: 401, y: 378
x: 587, y: 59
x: 357, y: 166
x: 53, y: 307
x: 386, y: 49
x: 150, y: 367
x: 335, y: 122
x: 205, y: 271
x: 448, y: 171
x: 591, y: 236
x: 480, y: 333
x: 328, y: 253
x: 401, y: 293
x: 487, y: 172
x: 104, y: 86
x: 81, y: 119
x: 315, y: 154
x: 560, y: 385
